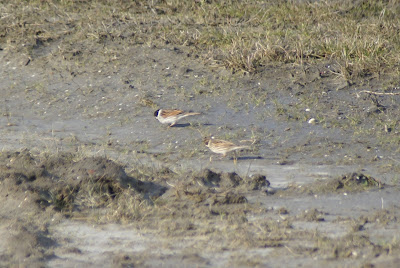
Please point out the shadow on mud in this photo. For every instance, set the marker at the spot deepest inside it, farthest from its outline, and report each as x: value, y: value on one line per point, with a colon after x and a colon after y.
x: 249, y: 157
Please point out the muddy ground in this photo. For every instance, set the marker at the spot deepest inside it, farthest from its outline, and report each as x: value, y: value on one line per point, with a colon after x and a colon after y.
x: 88, y: 177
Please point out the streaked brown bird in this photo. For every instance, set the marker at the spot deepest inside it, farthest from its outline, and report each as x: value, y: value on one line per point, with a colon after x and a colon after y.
x: 221, y: 146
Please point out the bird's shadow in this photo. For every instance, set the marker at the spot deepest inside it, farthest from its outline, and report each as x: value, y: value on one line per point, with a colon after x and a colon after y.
x: 181, y: 125
x: 193, y: 125
x: 247, y: 158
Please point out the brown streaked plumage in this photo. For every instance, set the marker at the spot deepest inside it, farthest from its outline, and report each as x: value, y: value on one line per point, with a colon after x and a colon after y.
x: 221, y: 146
x: 171, y: 116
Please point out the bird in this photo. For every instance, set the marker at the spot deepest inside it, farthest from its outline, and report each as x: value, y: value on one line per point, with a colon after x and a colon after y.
x: 221, y: 146
x: 171, y: 116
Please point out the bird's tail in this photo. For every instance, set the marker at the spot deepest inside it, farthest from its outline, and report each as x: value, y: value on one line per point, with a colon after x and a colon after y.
x: 240, y: 147
x: 188, y: 114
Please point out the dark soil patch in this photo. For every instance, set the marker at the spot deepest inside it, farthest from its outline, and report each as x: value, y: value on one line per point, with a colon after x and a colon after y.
x: 227, y: 180
x: 68, y: 184
x: 311, y: 215
x: 349, y: 183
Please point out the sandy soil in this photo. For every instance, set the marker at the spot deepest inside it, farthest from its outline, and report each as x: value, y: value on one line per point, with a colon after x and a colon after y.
x: 88, y: 177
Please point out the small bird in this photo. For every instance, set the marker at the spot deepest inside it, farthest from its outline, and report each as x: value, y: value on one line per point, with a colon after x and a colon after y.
x: 171, y: 116
x: 221, y: 146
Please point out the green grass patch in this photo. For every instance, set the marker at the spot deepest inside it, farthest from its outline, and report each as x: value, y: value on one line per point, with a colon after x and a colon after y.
x: 240, y: 35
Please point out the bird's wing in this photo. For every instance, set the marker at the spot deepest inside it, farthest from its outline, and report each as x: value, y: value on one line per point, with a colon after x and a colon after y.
x: 171, y: 112
x: 222, y: 143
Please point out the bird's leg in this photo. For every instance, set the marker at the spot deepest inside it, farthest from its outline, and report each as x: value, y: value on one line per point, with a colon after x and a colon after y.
x: 173, y: 124
x: 235, y: 158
